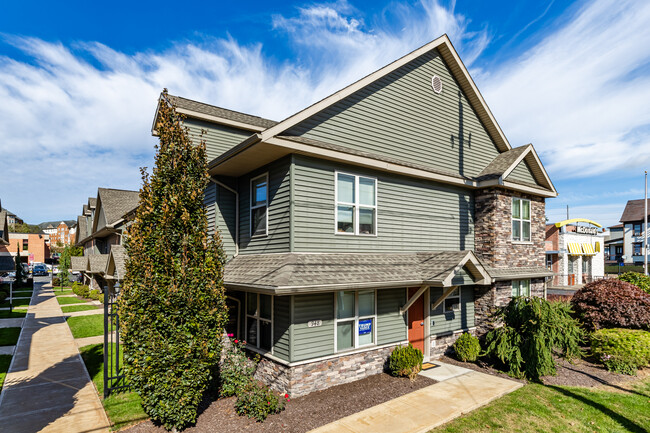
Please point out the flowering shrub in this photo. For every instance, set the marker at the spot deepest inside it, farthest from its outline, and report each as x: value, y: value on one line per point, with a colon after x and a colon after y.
x: 235, y: 370
x: 622, y: 350
x: 258, y: 401
x: 406, y: 361
x: 612, y: 304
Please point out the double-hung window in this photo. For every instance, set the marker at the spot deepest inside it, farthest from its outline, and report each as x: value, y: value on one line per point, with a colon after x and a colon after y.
x: 356, y: 205
x: 521, y: 288
x: 259, y: 320
x: 259, y: 205
x: 452, y: 302
x: 637, y: 230
x: 355, y: 319
x: 520, y: 220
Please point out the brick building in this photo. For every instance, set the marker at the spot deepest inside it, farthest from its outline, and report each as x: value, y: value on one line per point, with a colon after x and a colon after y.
x: 35, y: 244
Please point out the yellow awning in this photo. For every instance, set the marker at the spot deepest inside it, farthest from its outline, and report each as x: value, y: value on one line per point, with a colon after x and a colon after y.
x: 588, y: 249
x: 574, y: 248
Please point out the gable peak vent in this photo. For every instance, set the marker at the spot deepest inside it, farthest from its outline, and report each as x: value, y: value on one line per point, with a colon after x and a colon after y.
x: 436, y: 84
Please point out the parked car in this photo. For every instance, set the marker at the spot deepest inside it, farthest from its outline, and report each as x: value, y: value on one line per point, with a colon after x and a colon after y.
x: 40, y: 269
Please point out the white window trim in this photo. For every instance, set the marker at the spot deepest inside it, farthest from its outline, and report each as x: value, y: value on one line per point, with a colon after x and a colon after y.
x: 258, y: 319
x: 356, y: 319
x: 266, y: 204
x: 521, y: 220
x: 519, y: 288
x: 460, y: 300
x: 354, y: 205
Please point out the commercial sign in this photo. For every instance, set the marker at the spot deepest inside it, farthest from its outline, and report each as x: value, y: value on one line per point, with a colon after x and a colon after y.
x: 365, y: 326
x: 586, y: 230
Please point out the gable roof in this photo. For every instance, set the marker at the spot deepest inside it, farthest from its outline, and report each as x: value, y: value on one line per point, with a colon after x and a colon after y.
x: 78, y: 263
x: 115, y: 203
x: 82, y: 229
x: 96, y: 263
x: 212, y: 113
x: 116, y: 264
x: 4, y: 228
x: 286, y: 273
x: 634, y: 210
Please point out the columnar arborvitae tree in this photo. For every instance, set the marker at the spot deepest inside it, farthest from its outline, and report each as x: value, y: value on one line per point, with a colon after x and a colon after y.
x: 172, y: 304
x: 20, y: 274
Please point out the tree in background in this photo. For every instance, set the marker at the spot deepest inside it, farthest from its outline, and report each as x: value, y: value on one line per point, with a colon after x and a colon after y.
x: 25, y: 228
x: 172, y: 305
x: 64, y: 261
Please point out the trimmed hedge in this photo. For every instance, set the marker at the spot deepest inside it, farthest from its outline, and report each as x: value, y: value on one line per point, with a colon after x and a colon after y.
x: 406, y: 361
x: 622, y: 350
x: 612, y: 303
x: 467, y: 347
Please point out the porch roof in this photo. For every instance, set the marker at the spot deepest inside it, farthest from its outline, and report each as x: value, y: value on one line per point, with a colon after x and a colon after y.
x: 287, y: 273
x: 97, y: 263
x: 79, y: 263
x: 524, y: 272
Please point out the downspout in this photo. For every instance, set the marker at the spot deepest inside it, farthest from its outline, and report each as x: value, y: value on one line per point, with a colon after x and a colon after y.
x: 224, y: 186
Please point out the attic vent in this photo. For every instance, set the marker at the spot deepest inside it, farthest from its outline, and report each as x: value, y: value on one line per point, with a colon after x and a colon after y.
x: 436, y: 84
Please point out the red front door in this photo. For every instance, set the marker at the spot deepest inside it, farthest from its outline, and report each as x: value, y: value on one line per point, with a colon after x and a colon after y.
x: 416, y: 321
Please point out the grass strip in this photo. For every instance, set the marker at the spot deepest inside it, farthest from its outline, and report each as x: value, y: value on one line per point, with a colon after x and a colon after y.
x: 5, y: 314
x: 58, y: 292
x: 9, y: 336
x: 122, y: 408
x: 5, y: 361
x: 70, y: 300
x: 540, y: 408
x: 74, y: 308
x: 16, y: 303
x: 86, y: 326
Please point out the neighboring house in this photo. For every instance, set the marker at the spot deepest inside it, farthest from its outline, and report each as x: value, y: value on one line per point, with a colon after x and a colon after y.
x: 614, y: 241
x: 633, y: 220
x: 392, y: 211
x: 104, y: 223
x: 7, y: 263
x: 34, y: 248
x: 13, y: 219
x: 575, y: 251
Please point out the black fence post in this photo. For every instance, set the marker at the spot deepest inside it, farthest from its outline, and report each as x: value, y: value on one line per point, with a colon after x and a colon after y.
x: 106, y: 331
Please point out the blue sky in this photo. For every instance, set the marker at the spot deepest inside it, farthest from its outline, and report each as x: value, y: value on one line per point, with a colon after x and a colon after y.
x: 79, y: 83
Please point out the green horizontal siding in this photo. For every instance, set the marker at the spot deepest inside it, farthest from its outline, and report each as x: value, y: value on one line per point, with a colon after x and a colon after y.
x: 218, y: 138
x: 210, y: 204
x: 442, y: 322
x: 278, y: 239
x: 400, y: 116
x: 463, y: 277
x: 225, y: 218
x: 413, y: 215
x: 282, y: 327
x: 391, y: 325
x: 312, y: 342
x: 522, y: 173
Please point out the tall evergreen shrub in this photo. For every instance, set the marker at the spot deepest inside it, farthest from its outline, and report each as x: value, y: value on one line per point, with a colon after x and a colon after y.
x: 20, y: 273
x: 172, y: 304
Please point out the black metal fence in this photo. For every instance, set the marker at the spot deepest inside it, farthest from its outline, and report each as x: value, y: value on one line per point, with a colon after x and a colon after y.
x: 114, y: 379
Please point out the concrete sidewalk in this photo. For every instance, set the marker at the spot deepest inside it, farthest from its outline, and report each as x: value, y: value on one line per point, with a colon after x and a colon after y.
x: 47, y: 387
x: 426, y: 408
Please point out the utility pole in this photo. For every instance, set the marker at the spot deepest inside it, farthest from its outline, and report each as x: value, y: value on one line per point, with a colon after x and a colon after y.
x: 567, y: 211
x: 645, y: 228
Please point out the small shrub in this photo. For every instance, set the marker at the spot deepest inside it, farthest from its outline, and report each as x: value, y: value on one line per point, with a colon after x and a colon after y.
x: 406, y: 361
x: 622, y: 350
x: 637, y: 279
x: 81, y: 290
x: 467, y: 347
x: 235, y: 370
x: 56, y: 282
x: 612, y: 304
x: 258, y: 401
x: 533, y: 330
x: 96, y: 295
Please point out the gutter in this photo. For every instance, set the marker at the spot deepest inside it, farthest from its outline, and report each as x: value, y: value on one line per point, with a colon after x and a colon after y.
x: 224, y: 186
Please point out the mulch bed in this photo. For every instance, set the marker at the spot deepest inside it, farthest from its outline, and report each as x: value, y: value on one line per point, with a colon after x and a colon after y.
x: 582, y: 373
x: 302, y: 413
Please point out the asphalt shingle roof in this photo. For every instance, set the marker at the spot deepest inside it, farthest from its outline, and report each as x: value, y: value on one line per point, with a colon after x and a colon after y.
x: 82, y: 227
x: 118, y: 256
x: 117, y: 202
x: 97, y: 263
x: 212, y: 110
x: 78, y: 263
x: 500, y: 274
x: 501, y: 163
x: 634, y: 210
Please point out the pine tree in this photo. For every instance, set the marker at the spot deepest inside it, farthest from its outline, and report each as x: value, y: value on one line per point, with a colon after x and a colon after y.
x: 172, y: 304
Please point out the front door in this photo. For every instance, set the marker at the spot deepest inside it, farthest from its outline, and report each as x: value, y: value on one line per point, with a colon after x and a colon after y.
x: 416, y: 320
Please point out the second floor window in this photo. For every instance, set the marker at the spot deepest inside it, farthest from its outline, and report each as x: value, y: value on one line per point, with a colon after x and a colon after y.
x: 259, y: 205
x: 637, y: 230
x: 520, y: 220
x: 637, y: 250
x: 356, y: 205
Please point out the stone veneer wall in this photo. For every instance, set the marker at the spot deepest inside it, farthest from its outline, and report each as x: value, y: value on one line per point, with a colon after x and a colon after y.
x: 493, y: 230
x: 441, y: 343
x: 314, y: 376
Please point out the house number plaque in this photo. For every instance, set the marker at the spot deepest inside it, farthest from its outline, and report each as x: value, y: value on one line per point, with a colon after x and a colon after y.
x: 314, y: 323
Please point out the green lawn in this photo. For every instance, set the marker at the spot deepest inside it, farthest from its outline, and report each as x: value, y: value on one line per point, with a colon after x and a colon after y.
x: 5, y: 314
x: 71, y: 300
x: 86, y: 326
x: 562, y: 409
x: 16, y: 303
x: 9, y: 336
x: 23, y: 293
x: 73, y: 308
x: 59, y: 292
x: 122, y: 408
x: 5, y: 360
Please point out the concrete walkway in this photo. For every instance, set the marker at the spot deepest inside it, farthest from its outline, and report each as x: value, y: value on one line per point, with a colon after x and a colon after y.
x: 427, y: 408
x: 47, y: 387
x: 11, y: 323
x: 84, y: 313
x: 7, y: 350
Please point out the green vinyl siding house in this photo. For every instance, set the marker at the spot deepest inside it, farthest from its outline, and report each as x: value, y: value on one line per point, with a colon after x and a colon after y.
x: 392, y: 211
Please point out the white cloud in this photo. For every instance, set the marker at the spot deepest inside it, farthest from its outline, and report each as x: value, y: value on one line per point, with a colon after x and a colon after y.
x: 576, y: 95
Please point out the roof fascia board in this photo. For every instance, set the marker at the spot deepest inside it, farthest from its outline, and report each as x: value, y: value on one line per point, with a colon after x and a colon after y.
x: 219, y: 120
x: 547, y: 180
x: 255, y: 138
x: 475, y: 268
x: 516, y: 187
x: 93, y: 228
x: 506, y: 173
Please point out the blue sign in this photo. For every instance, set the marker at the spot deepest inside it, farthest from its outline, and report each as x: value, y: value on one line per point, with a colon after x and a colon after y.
x: 365, y: 326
